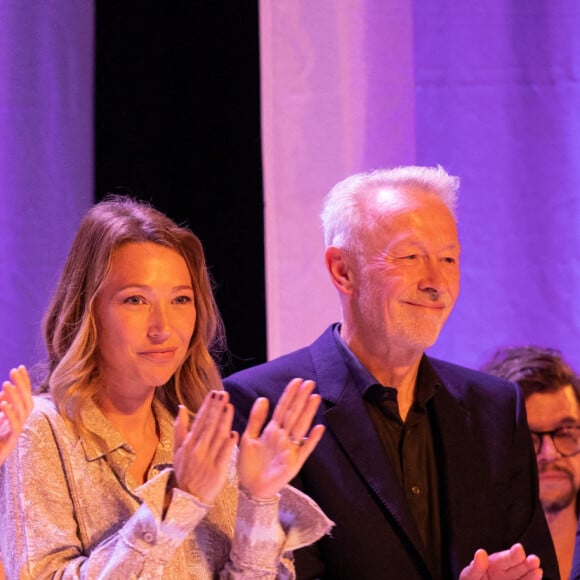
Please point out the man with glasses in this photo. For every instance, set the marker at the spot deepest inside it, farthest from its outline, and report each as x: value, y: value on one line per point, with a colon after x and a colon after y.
x: 552, y: 393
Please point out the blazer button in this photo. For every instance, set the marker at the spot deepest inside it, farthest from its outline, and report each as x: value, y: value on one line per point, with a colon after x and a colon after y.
x: 415, y: 490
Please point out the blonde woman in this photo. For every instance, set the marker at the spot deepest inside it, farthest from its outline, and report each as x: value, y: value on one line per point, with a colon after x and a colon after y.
x: 128, y: 466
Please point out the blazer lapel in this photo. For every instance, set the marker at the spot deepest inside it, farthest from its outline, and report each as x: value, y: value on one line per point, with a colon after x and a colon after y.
x: 457, y: 445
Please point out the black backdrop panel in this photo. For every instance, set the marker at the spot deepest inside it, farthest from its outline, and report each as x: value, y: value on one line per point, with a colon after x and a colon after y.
x: 177, y: 118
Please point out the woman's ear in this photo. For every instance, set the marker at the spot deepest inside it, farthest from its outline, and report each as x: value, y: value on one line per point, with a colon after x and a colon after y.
x: 339, y: 265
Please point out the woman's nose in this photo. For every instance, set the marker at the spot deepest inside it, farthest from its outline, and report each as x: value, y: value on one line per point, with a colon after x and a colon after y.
x: 159, y: 327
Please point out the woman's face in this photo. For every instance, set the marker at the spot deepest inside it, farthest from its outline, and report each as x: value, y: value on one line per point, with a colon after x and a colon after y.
x: 145, y: 316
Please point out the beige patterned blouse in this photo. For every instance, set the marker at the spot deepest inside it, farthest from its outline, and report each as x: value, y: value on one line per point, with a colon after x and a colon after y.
x: 69, y: 510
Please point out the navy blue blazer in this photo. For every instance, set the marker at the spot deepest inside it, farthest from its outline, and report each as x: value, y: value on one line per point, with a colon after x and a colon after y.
x: 487, y: 466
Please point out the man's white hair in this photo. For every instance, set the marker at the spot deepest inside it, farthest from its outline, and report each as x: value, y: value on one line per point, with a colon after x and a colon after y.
x: 344, y: 214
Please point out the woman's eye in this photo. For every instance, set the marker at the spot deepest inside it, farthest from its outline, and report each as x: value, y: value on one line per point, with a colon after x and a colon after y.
x: 183, y: 299
x: 133, y: 300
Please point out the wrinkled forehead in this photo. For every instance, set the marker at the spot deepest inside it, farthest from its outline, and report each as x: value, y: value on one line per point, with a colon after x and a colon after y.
x: 400, y: 227
x: 389, y: 208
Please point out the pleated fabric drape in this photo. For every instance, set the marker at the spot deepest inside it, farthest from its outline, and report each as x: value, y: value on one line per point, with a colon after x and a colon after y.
x: 489, y: 90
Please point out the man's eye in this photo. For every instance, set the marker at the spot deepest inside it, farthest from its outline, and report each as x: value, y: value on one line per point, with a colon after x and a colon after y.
x: 449, y: 260
x: 411, y: 257
x: 565, y: 434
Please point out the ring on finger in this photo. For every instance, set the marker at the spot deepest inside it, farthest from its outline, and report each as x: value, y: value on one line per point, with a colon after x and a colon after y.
x: 298, y: 442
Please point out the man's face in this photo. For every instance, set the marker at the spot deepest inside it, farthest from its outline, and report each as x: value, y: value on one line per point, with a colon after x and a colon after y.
x: 559, y: 476
x: 408, y: 277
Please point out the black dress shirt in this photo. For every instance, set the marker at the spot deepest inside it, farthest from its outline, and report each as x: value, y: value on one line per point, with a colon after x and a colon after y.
x: 409, y: 447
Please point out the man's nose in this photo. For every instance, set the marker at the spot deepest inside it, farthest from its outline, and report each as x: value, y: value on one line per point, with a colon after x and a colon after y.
x: 433, y: 278
x: 547, y: 451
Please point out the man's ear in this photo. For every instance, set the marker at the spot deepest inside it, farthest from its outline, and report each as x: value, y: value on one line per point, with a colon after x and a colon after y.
x: 339, y: 265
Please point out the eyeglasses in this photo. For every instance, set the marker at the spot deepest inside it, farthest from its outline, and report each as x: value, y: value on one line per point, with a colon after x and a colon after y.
x: 566, y: 440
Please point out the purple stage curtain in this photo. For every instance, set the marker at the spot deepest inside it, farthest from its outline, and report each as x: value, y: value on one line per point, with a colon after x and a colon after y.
x: 46, y: 165
x: 490, y: 91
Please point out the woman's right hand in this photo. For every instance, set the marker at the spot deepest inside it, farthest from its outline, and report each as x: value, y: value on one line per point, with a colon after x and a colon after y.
x: 202, y: 452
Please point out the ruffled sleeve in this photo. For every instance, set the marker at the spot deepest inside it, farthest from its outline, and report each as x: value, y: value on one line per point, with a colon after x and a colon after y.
x: 267, y: 532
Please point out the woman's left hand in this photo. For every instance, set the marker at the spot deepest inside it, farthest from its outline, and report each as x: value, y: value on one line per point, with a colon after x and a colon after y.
x: 269, y: 459
x: 15, y: 406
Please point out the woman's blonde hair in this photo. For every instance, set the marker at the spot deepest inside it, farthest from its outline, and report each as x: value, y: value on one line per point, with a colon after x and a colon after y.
x: 69, y: 324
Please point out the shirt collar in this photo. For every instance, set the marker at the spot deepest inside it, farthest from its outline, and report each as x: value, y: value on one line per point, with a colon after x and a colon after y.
x: 108, y: 439
x: 427, y: 379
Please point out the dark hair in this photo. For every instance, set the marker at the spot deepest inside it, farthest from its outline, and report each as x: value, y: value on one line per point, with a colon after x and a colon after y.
x: 535, y: 369
x: 69, y: 324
